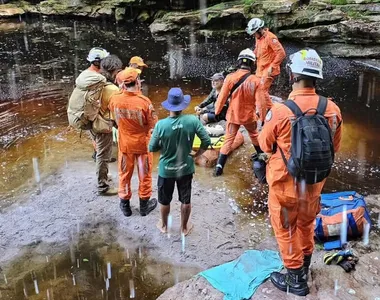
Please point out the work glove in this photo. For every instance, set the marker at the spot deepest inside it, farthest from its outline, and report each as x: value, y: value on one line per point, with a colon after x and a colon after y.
x: 344, y: 258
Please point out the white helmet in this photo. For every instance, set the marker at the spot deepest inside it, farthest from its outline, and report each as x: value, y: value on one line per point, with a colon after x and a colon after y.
x: 97, y: 54
x: 247, y: 54
x: 306, y: 62
x: 254, y: 25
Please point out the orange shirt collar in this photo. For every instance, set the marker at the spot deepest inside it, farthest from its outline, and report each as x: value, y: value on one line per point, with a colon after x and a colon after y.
x: 129, y: 93
x: 303, y: 91
x: 265, y: 32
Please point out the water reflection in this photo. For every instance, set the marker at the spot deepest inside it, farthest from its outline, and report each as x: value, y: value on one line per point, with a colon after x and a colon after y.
x: 92, y: 268
x: 40, y: 62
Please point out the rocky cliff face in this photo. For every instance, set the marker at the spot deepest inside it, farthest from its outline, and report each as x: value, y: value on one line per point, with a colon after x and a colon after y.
x: 344, y: 28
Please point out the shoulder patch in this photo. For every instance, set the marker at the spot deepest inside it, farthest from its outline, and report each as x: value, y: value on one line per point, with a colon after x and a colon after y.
x: 275, y: 41
x: 268, y: 116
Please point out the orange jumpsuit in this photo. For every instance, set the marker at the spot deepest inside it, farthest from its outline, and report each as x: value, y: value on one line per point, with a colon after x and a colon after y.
x: 269, y: 54
x: 135, y: 117
x: 242, y: 108
x: 293, y: 206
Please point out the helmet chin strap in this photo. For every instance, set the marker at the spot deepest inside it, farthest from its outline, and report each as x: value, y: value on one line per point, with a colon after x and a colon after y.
x: 294, y: 79
x: 260, y: 31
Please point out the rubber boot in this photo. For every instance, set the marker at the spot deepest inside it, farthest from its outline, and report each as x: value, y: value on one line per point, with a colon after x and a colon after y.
x: 220, y: 164
x: 146, y: 206
x: 294, y: 281
x: 125, y: 207
x: 306, y: 263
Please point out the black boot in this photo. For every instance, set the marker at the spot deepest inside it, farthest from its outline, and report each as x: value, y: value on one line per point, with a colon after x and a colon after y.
x: 306, y: 263
x: 220, y: 164
x: 294, y: 281
x: 125, y: 207
x: 146, y: 206
x: 258, y: 149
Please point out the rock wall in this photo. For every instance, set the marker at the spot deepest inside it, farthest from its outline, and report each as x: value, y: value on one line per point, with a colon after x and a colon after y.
x: 343, y: 28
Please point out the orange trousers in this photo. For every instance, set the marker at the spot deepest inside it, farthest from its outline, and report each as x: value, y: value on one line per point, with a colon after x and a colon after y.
x: 264, y: 102
x: 231, y: 132
x: 126, y: 165
x: 293, y: 224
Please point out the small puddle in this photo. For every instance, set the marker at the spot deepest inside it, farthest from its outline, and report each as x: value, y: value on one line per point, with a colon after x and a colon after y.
x: 90, y: 268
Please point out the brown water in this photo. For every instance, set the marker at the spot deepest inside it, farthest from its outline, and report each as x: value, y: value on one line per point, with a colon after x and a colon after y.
x: 39, y: 62
x: 90, y: 268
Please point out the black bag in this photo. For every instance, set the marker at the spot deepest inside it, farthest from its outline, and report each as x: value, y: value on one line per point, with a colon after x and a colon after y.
x: 312, y: 149
x: 223, y: 113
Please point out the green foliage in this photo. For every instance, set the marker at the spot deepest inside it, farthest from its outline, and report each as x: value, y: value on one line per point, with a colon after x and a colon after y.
x: 249, y: 2
x: 338, y: 2
x: 354, y: 14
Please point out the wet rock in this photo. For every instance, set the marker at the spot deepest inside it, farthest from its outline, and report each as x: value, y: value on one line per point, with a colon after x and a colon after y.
x: 143, y: 17
x: 369, y: 8
x: 354, y: 32
x: 159, y: 27
x: 221, y: 16
x: 350, y: 50
x: 280, y: 6
x: 231, y: 18
x: 8, y: 10
x: 306, y: 18
x: 119, y: 13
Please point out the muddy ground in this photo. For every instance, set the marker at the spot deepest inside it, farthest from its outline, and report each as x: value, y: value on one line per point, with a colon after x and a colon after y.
x: 68, y: 204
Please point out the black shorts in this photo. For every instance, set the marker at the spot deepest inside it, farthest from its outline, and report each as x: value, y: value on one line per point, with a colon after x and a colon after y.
x: 166, y: 189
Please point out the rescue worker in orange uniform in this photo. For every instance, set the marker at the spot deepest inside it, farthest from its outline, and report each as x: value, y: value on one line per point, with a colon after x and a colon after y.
x: 242, y: 106
x: 269, y: 55
x: 293, y: 206
x: 135, y: 117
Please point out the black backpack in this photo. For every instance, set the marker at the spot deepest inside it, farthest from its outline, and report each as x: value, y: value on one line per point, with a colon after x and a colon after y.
x: 312, y: 149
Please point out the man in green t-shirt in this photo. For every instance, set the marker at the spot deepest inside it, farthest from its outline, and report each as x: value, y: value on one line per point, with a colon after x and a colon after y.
x: 174, y: 137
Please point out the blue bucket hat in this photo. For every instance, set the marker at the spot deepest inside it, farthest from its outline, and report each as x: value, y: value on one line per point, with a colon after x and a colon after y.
x: 176, y: 101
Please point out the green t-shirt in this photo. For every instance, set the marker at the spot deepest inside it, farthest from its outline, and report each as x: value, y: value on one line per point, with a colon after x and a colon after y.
x: 174, y: 137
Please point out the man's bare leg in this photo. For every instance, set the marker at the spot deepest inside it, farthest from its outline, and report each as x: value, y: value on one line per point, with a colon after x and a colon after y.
x: 186, y: 225
x: 162, y: 224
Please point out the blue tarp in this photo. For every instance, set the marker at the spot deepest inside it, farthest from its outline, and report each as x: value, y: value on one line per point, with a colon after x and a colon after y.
x: 239, y: 279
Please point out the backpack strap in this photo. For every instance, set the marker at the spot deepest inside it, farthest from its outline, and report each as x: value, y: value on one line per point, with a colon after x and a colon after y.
x: 293, y: 107
x: 283, y: 156
x: 237, y: 84
x: 298, y: 113
x: 322, y: 105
